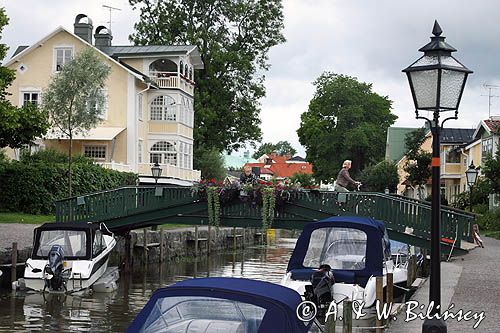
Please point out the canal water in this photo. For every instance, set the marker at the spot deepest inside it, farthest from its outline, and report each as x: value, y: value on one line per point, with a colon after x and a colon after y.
x: 31, y: 312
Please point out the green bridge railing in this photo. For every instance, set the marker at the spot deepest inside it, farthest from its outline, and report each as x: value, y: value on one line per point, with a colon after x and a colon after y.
x: 138, y: 206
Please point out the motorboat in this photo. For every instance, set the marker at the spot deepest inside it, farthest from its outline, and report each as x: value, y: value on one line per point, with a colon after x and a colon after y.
x: 71, y: 257
x: 346, y: 254
x: 219, y: 304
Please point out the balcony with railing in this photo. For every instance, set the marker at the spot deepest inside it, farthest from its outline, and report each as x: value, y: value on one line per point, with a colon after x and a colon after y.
x: 170, y: 80
x: 171, y: 171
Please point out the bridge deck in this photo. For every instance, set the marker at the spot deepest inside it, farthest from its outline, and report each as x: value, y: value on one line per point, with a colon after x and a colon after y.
x: 127, y: 208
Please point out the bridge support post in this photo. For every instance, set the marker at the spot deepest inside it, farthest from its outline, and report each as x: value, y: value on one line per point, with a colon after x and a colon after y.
x: 234, y: 239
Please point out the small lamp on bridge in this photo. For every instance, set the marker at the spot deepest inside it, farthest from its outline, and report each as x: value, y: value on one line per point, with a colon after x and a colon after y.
x: 471, y: 175
x: 437, y: 81
x: 156, y: 172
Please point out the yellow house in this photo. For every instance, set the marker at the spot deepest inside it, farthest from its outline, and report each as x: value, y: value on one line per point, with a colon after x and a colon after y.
x: 453, y: 165
x: 149, y: 112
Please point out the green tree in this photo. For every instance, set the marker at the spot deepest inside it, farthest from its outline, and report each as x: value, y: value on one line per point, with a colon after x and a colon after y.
x: 210, y: 163
x: 281, y: 148
x: 417, y: 161
x: 74, y: 98
x: 491, y: 171
x: 345, y: 120
x: 18, y: 126
x: 233, y: 38
x: 381, y: 176
x: 304, y: 179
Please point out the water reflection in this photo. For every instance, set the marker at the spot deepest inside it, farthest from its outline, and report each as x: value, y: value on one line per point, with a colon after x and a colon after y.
x: 31, y: 312
x: 28, y: 312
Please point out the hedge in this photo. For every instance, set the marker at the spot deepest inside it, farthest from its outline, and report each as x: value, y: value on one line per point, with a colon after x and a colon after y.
x: 33, y: 187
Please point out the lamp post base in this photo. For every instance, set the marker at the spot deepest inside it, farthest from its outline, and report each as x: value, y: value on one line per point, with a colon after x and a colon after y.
x: 434, y: 326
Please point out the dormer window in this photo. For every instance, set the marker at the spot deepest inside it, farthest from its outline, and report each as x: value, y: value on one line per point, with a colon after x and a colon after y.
x: 62, y: 56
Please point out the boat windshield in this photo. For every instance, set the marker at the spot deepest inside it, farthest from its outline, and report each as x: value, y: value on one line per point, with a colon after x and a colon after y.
x: 341, y: 248
x: 73, y: 242
x: 202, y: 314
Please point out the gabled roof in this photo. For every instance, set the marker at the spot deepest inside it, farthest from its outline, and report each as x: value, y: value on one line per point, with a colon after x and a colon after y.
x: 27, y: 50
x: 284, y: 169
x: 489, y: 125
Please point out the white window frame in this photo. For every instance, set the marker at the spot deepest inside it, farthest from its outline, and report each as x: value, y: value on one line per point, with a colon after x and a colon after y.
x: 100, y: 159
x: 166, y: 156
x: 64, y: 48
x: 140, y: 151
x: 104, y: 114
x: 31, y: 92
x: 167, y: 112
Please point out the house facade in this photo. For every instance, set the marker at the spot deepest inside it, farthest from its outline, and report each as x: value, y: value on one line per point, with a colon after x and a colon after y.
x: 149, y: 113
x: 459, y: 148
x: 453, y: 164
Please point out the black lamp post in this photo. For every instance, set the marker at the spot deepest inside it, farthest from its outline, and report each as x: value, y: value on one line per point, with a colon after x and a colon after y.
x: 156, y: 172
x: 437, y: 81
x: 471, y: 175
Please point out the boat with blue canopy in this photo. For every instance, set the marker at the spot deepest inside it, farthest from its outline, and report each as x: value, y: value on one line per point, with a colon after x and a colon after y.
x: 344, y: 254
x: 219, y: 304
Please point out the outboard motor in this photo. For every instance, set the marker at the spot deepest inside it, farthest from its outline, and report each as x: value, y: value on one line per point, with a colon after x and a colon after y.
x: 55, y: 268
x: 320, y: 290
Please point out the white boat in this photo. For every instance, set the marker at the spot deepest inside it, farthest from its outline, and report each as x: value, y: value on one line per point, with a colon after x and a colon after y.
x: 70, y: 257
x: 352, y: 252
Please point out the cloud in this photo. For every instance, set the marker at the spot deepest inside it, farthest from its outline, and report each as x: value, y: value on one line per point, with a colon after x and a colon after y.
x: 371, y: 40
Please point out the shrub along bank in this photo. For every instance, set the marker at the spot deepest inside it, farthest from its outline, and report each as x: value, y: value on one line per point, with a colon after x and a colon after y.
x: 32, y: 184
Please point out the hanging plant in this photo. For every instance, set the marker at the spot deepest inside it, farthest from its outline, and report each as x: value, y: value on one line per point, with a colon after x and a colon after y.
x: 268, y: 205
x: 213, y: 206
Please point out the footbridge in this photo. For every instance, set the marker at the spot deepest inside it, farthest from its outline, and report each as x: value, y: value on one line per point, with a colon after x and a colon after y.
x: 126, y: 208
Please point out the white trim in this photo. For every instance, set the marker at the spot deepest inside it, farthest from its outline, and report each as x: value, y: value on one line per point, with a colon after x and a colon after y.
x: 56, y: 31
x: 468, y: 147
x: 481, y: 124
x: 132, y: 124
x: 97, y: 145
x: 29, y: 90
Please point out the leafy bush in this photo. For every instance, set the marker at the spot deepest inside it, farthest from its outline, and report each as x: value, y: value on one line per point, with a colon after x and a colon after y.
x: 380, y: 176
x: 489, y: 220
x: 33, y: 187
x: 480, y: 196
x: 304, y: 179
x: 51, y: 156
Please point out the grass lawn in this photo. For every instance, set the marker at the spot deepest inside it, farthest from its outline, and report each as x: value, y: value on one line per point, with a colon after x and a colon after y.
x: 9, y: 217
x: 492, y: 234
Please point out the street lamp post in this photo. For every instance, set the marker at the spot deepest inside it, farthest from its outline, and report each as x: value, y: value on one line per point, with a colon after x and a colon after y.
x: 437, y: 81
x: 471, y: 175
x: 156, y: 172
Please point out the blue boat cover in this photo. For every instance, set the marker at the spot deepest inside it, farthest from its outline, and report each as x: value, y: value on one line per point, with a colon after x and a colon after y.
x: 374, y: 251
x: 279, y: 302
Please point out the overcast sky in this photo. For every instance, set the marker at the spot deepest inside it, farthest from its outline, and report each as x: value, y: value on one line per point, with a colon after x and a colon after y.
x: 371, y: 40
